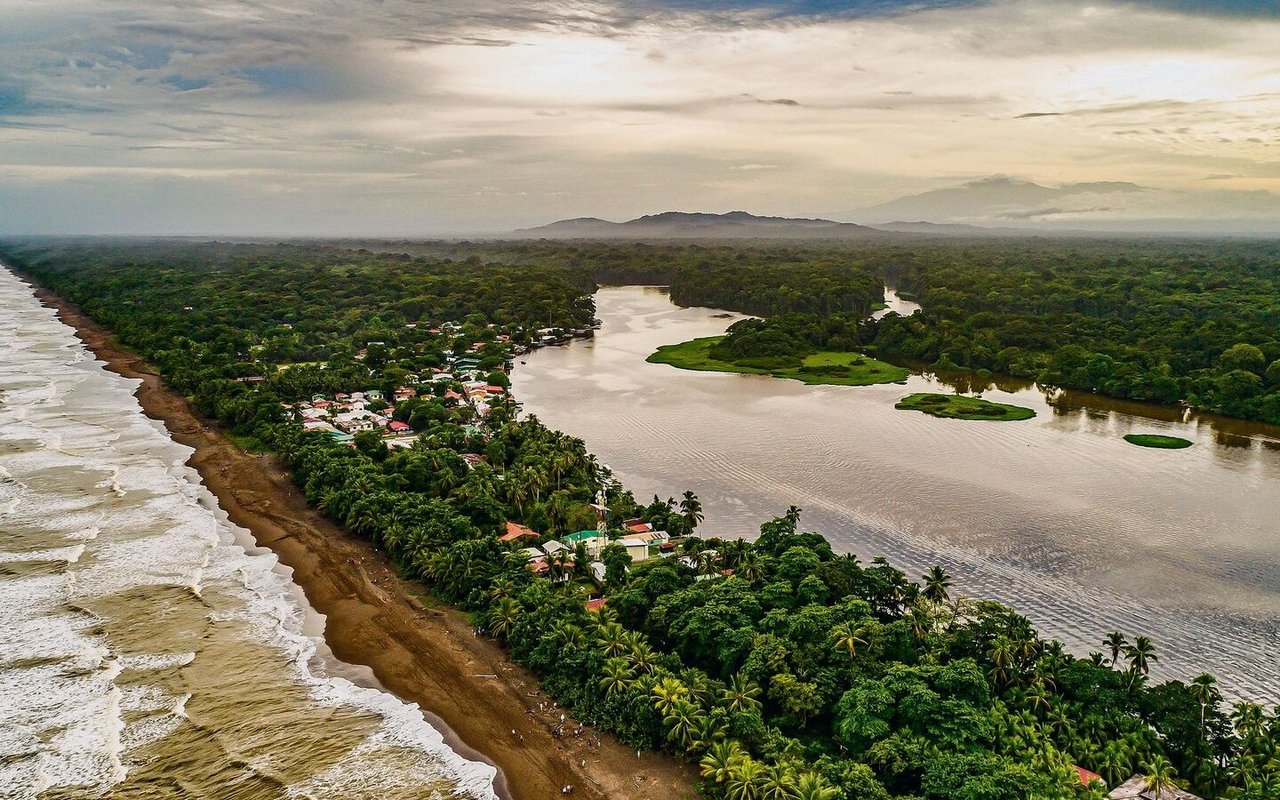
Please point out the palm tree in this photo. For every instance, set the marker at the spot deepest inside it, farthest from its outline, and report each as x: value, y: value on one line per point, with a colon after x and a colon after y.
x: 1141, y: 653
x: 777, y: 783
x: 740, y: 694
x: 811, y: 786
x: 1116, y: 762
x: 1159, y: 774
x: 936, y: 585
x: 1204, y: 689
x: 751, y: 567
x: 691, y: 510
x: 612, y: 639
x: 617, y: 676
x: 709, y: 730
x: 721, y: 760
x: 849, y: 638
x: 683, y: 721
x: 666, y: 693
x: 792, y: 515
x: 744, y: 780
x: 1116, y: 641
x: 503, y: 618
x: 643, y: 657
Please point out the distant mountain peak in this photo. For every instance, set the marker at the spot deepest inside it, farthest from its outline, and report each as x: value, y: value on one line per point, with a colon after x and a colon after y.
x: 702, y: 225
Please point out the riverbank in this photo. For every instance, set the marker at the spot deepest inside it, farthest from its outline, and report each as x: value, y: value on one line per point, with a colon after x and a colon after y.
x: 824, y: 368
x: 374, y: 618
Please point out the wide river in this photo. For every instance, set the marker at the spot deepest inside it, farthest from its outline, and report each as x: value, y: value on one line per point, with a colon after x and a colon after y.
x: 1057, y: 516
x: 148, y: 649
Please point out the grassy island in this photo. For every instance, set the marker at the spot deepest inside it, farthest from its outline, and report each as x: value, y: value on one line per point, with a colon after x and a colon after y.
x: 1158, y: 441
x: 839, y: 368
x: 951, y: 406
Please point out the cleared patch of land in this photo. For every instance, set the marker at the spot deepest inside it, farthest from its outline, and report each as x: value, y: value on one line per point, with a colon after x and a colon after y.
x: 1157, y: 440
x: 953, y: 406
x: 822, y: 368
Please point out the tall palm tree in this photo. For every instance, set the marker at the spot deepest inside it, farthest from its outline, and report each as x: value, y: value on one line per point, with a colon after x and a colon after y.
x: 1116, y: 641
x: 936, y: 585
x: 1204, y: 690
x: 751, y: 567
x: 792, y: 515
x: 1141, y: 653
x: 849, y: 637
x: 691, y: 510
x: 1159, y: 774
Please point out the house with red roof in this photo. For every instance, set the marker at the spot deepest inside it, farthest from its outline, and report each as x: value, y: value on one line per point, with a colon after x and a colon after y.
x: 516, y: 532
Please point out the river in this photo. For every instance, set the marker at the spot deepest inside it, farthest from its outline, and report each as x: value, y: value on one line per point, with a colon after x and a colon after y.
x: 148, y: 648
x: 1057, y: 516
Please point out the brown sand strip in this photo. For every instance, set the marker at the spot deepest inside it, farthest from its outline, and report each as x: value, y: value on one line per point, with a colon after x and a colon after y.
x: 373, y: 618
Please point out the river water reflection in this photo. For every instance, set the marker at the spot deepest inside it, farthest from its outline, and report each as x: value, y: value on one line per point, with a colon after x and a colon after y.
x: 1057, y: 516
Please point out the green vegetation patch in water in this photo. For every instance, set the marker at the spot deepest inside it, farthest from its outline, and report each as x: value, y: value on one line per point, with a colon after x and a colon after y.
x: 1157, y: 440
x: 954, y: 406
x: 826, y: 367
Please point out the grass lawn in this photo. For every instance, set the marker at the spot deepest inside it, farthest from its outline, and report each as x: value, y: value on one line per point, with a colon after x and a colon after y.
x: 1156, y: 440
x: 822, y: 368
x: 950, y: 406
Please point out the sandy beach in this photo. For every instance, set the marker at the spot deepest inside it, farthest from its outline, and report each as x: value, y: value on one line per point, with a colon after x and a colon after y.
x: 375, y: 619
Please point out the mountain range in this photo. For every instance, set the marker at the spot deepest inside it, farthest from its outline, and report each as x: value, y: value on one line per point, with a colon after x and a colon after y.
x: 994, y: 206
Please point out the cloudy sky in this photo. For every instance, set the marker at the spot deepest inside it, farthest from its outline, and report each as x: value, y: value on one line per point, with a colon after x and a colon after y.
x: 352, y: 117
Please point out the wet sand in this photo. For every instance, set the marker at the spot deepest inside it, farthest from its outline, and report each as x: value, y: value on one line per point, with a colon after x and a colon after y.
x: 375, y: 619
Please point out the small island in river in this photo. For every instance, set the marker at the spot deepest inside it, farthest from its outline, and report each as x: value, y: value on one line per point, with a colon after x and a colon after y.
x: 1158, y: 441
x: 839, y: 368
x: 954, y: 406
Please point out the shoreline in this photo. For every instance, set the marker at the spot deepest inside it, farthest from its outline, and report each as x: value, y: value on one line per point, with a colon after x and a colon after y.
x: 374, y: 619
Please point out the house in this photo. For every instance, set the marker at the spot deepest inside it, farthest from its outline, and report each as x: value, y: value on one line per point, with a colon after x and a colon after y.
x: 533, y: 553
x: 598, y: 572
x: 1087, y: 777
x: 404, y: 393
x: 1136, y: 789
x: 553, y: 547
x: 591, y: 539
x: 637, y: 549
x: 595, y: 605
x: 636, y: 525
x: 652, y: 537
x: 373, y: 394
x: 314, y: 413
x: 516, y: 532
x: 472, y: 460
x: 317, y: 425
x: 396, y: 426
x: 342, y: 438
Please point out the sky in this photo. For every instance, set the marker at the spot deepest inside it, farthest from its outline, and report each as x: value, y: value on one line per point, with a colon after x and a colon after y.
x: 436, y: 117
